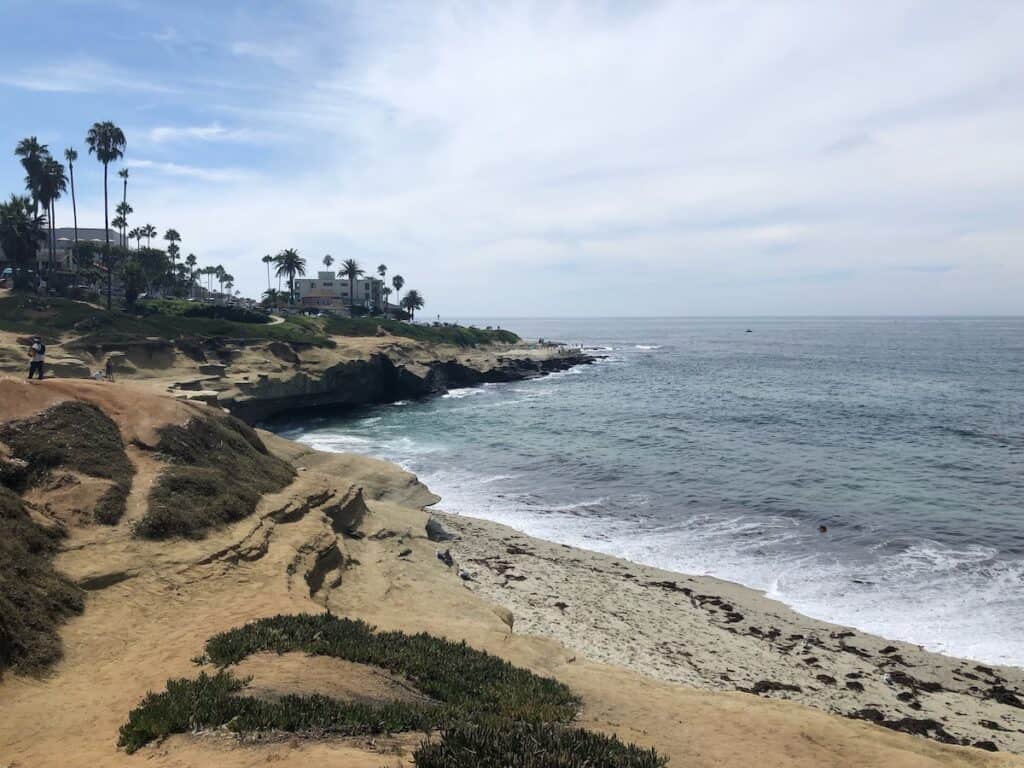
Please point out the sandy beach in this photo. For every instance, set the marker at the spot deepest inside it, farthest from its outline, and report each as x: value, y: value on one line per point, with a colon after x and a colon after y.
x: 712, y: 634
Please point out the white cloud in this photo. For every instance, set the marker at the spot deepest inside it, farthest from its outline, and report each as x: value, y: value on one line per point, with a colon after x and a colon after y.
x: 218, y: 175
x: 212, y: 132
x: 81, y: 75
x: 734, y: 152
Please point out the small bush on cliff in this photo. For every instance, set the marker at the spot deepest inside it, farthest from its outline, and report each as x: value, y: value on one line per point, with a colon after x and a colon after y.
x: 219, y: 470
x: 34, y: 598
x: 73, y: 436
x: 439, y: 334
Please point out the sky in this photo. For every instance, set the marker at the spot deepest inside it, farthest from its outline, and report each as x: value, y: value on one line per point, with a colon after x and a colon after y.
x: 557, y: 158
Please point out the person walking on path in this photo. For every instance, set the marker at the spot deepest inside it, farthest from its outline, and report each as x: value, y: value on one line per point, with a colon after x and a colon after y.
x: 110, y: 369
x: 37, y: 353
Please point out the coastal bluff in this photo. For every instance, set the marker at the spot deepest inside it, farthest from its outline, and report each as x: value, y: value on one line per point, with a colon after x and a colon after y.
x: 335, y: 533
x: 257, y: 374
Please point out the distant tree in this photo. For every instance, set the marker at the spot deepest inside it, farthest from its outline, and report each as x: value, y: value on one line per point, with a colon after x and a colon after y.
x: 271, y: 298
x: 124, y: 210
x: 108, y: 143
x: 135, y: 233
x: 71, y: 155
x: 328, y: 260
x: 397, y: 282
x: 382, y: 270
x: 412, y: 302
x: 351, y: 270
x: 173, y: 238
x: 134, y: 282
x: 33, y: 156
x: 190, y: 264
x: 289, y: 265
x: 52, y: 182
x: 268, y: 259
x: 21, y: 233
x: 385, y: 293
x: 219, y: 273
x: 149, y: 232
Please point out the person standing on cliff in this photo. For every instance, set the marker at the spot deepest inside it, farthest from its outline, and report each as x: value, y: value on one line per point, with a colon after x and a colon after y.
x: 37, y: 353
x: 110, y: 369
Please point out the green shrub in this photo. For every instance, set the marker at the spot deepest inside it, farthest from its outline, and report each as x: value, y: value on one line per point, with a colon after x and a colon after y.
x: 491, y: 713
x: 95, y: 329
x: 527, y: 745
x: 73, y: 436
x: 34, y: 598
x: 220, y: 469
x: 453, y: 673
x: 439, y: 334
x: 211, y: 701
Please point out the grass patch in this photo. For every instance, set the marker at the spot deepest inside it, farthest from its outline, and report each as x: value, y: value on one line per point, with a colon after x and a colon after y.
x: 452, y: 673
x: 212, y: 701
x: 94, y: 328
x: 442, y: 334
x: 490, y: 712
x: 219, y: 470
x: 525, y: 745
x: 73, y: 436
x: 34, y: 598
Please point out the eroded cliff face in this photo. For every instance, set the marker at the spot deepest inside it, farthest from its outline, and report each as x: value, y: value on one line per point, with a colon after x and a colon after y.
x: 257, y: 379
x: 378, y: 379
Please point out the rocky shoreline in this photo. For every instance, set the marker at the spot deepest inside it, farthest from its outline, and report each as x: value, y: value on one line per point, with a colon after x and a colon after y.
x: 711, y: 634
x: 380, y: 380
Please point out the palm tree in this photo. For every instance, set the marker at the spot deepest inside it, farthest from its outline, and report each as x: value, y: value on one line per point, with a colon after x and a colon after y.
x: 70, y: 154
x: 135, y: 234
x: 123, y: 173
x: 413, y: 301
x: 21, y: 233
x: 173, y: 238
x: 271, y: 298
x: 123, y: 210
x: 33, y: 156
x: 385, y: 292
x: 190, y: 262
x: 398, y: 281
x: 149, y: 232
x: 51, y: 184
x: 220, y: 273
x: 108, y: 143
x: 351, y: 270
x: 328, y: 260
x: 267, y: 260
x: 289, y: 264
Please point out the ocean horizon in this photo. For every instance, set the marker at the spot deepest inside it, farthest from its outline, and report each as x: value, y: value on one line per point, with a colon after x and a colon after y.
x: 722, y: 446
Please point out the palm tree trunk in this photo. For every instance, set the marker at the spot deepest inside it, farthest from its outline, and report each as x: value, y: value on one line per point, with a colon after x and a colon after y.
x: 268, y: 275
x: 74, y: 213
x: 106, y: 235
x: 53, y: 232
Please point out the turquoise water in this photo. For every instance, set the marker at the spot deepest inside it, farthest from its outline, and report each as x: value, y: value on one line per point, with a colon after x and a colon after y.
x: 704, y: 448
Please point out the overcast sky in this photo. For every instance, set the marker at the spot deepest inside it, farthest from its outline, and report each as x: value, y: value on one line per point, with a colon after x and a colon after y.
x: 591, y: 158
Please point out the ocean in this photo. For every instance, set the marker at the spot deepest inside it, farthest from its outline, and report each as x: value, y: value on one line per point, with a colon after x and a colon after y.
x: 720, y: 446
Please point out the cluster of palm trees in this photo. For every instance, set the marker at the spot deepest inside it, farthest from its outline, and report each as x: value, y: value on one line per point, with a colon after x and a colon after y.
x: 47, y: 179
x: 288, y: 264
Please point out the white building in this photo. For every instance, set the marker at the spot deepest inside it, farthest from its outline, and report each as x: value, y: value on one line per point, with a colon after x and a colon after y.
x: 329, y: 292
x: 65, y: 243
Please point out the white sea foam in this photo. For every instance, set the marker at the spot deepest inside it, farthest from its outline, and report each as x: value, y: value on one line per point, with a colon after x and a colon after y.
x: 648, y: 346
x: 458, y: 394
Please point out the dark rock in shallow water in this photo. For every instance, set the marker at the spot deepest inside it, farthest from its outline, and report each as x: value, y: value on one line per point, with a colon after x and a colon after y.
x: 437, y: 532
x: 1004, y: 695
x: 986, y: 745
x: 767, y: 686
x: 853, y: 685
